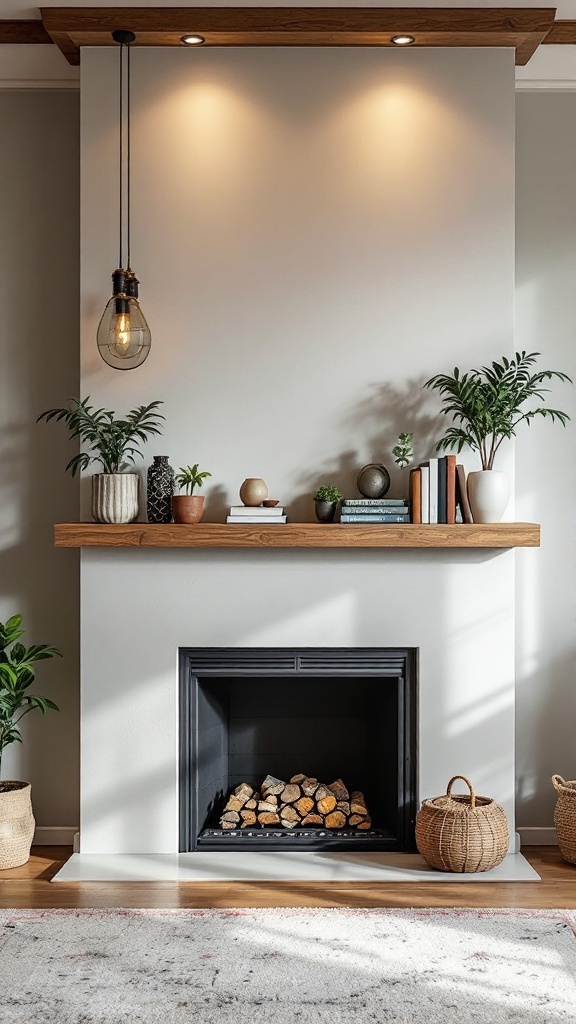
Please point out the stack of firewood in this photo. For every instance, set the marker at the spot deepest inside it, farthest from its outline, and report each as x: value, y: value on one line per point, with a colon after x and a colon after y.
x: 300, y: 802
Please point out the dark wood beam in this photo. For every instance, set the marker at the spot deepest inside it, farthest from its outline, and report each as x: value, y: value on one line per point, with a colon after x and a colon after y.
x: 562, y: 33
x: 23, y: 32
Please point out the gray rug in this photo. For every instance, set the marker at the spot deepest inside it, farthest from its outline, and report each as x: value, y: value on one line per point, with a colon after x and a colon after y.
x: 287, y: 966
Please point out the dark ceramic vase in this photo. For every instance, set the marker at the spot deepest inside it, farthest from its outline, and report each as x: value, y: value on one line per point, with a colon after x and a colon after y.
x: 325, y: 511
x: 159, y: 490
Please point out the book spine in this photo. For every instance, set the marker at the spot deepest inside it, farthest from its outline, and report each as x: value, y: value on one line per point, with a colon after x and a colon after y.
x: 362, y: 510
x: 433, y: 502
x: 260, y: 513
x: 375, y: 519
x: 442, y: 490
x: 451, y: 489
x: 425, y: 489
x: 416, y: 495
x: 256, y: 519
x: 389, y: 502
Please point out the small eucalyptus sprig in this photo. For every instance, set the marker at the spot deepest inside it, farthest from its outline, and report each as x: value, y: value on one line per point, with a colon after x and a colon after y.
x: 403, y: 450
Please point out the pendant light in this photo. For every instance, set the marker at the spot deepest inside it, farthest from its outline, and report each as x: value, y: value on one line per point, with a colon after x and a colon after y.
x: 123, y: 335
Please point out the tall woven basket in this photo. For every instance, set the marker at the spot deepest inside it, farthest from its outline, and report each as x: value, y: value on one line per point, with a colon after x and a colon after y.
x: 462, y: 833
x: 16, y: 824
x: 565, y: 817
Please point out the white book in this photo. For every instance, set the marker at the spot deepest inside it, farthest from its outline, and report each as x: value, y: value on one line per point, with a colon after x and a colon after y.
x: 256, y: 519
x: 433, y: 464
x: 259, y: 510
x: 425, y: 494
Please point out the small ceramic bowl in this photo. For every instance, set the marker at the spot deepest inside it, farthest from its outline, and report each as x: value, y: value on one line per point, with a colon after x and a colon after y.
x: 270, y: 503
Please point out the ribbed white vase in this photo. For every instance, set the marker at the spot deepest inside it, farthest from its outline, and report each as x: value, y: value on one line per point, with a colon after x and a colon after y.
x: 114, y: 497
x: 488, y: 493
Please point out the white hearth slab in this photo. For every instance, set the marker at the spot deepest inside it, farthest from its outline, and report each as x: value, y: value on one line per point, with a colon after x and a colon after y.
x: 277, y: 867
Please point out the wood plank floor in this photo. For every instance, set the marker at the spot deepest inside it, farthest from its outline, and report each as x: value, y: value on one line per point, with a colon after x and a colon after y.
x: 29, y: 886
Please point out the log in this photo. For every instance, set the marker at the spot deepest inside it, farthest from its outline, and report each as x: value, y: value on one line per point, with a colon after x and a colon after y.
x: 309, y: 786
x: 358, y: 803
x: 297, y: 778
x: 367, y: 823
x: 335, y: 820
x: 326, y: 804
x: 248, y: 818
x: 268, y: 818
x: 251, y: 805
x: 360, y: 821
x: 243, y: 792
x: 339, y: 790
x: 322, y: 791
x: 227, y: 824
x: 289, y: 813
x: 232, y: 816
x: 234, y: 804
x: 266, y: 805
x: 272, y: 785
x: 313, y: 819
x: 304, y: 805
x: 290, y: 794
x: 344, y: 806
x: 288, y: 824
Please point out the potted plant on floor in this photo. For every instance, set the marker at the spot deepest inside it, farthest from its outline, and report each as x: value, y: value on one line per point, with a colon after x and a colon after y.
x: 189, y: 507
x: 17, y: 673
x: 113, y: 444
x: 326, y: 502
x: 487, y: 406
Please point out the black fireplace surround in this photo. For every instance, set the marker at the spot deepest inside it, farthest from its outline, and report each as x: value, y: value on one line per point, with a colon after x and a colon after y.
x: 334, y: 712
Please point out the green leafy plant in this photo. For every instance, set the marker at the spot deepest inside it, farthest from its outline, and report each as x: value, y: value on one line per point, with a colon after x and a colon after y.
x: 487, y: 404
x: 190, y: 477
x: 403, y: 450
x: 114, y: 443
x: 328, y: 492
x: 17, y: 673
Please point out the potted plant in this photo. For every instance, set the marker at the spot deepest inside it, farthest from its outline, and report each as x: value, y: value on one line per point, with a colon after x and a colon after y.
x: 114, y: 444
x: 487, y: 405
x: 326, y: 502
x: 17, y: 672
x: 189, y: 507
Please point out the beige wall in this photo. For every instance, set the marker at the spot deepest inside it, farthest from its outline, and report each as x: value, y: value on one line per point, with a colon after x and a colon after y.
x: 546, y: 467
x: 39, y: 261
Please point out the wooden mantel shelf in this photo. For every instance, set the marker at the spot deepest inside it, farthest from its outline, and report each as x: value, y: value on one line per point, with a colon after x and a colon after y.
x: 296, y: 535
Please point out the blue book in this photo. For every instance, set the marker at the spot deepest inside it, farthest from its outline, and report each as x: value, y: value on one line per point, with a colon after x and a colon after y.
x: 367, y: 518
x: 362, y: 510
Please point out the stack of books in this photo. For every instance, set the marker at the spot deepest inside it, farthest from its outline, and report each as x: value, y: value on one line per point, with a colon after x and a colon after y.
x: 375, y: 510
x: 259, y: 514
x: 438, y: 492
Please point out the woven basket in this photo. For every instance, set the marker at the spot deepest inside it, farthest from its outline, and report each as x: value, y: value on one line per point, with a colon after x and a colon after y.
x: 462, y: 833
x: 16, y: 824
x: 565, y: 817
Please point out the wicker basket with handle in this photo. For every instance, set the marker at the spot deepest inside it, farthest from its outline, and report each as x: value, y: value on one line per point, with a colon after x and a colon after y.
x: 565, y: 817
x: 16, y: 824
x: 462, y: 833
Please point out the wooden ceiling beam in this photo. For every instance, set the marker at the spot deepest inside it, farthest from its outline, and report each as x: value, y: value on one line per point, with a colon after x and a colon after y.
x: 25, y: 32
x: 518, y: 27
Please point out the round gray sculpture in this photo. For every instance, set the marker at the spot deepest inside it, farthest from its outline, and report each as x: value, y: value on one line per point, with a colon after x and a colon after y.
x: 373, y: 480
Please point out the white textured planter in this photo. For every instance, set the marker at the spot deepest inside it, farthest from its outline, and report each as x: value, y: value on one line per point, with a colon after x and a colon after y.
x: 488, y: 493
x: 16, y: 824
x: 114, y: 497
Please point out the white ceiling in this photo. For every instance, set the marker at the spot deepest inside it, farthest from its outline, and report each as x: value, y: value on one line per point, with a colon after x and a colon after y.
x: 552, y: 67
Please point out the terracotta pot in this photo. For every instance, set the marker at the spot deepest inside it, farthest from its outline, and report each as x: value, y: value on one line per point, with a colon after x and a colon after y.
x: 16, y: 824
x: 188, y: 508
x: 115, y: 497
x: 253, y: 491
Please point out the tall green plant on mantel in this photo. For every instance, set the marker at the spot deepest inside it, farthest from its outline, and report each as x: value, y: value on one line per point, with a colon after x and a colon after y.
x: 488, y: 404
x: 17, y: 673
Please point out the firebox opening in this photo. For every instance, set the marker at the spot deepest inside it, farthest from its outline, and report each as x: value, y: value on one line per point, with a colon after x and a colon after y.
x: 327, y: 714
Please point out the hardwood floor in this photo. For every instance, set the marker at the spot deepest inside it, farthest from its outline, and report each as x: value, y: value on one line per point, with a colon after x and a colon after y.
x: 29, y: 886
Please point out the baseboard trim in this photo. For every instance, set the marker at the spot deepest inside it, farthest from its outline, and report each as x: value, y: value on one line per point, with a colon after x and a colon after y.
x: 538, y: 836
x: 55, y: 835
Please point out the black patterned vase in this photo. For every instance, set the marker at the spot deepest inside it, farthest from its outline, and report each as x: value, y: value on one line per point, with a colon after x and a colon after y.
x: 159, y: 490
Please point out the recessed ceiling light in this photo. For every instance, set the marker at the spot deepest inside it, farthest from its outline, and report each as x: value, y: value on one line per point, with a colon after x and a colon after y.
x: 193, y: 40
x: 402, y: 40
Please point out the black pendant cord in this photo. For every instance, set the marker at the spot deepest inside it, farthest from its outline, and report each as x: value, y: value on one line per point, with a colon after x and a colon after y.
x: 128, y: 154
x: 121, y: 152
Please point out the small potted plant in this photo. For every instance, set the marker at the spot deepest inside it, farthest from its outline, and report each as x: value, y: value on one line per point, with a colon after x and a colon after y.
x: 113, y: 444
x: 487, y: 406
x: 326, y: 502
x: 17, y: 672
x: 189, y: 507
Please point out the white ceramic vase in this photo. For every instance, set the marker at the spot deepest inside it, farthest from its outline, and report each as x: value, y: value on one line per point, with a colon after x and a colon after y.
x: 488, y: 493
x: 114, y: 497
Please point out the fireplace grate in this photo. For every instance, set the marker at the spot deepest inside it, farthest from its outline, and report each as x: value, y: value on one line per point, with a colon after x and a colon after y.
x: 378, y: 839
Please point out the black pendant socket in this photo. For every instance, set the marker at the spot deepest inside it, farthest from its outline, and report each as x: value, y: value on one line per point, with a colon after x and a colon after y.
x: 119, y: 282
x: 123, y: 36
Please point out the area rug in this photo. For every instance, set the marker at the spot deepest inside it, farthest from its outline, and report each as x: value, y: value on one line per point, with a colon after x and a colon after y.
x: 287, y: 966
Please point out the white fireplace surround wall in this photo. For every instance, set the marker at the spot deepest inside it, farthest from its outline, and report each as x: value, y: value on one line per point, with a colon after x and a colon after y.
x: 316, y: 231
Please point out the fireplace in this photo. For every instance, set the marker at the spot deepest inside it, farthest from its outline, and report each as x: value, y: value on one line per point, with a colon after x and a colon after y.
x: 328, y: 712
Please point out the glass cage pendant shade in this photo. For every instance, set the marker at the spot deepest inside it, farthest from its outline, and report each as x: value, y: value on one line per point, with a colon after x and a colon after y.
x: 123, y: 336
